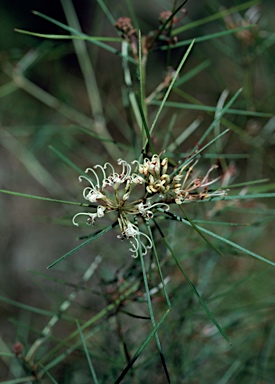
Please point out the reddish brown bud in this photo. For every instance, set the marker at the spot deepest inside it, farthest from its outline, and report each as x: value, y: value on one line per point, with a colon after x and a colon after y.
x: 17, y: 348
x: 164, y: 16
x: 124, y: 25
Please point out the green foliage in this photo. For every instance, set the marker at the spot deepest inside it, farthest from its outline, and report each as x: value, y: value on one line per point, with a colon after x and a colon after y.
x: 195, y: 305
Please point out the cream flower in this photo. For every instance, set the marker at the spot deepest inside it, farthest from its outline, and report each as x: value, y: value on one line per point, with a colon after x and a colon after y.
x: 197, y: 188
x: 132, y: 232
x: 113, y: 192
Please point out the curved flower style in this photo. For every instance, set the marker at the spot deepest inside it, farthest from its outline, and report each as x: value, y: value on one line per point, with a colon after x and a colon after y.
x: 197, y: 188
x: 112, y: 191
x: 91, y: 216
x: 131, y: 231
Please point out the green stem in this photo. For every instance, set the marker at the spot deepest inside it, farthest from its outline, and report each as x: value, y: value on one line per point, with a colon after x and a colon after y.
x: 142, y: 81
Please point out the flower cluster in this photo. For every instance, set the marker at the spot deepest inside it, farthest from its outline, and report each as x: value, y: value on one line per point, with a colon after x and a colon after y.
x: 112, y: 192
x: 128, y: 32
x: 197, y: 188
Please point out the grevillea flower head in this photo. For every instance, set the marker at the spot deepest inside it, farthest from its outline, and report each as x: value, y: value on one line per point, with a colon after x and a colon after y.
x: 131, y: 231
x: 154, y: 172
x: 113, y: 192
x: 196, y: 188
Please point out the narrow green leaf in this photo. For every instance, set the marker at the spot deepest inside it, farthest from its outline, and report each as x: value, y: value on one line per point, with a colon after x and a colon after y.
x: 141, y: 98
x: 146, y: 128
x: 215, y: 16
x: 142, y: 347
x: 111, y: 307
x: 249, y: 196
x: 219, y: 116
x: 229, y: 224
x: 87, y: 354
x: 192, y: 73
x: 80, y: 34
x: 46, y: 331
x: 92, y: 238
x: 25, y: 306
x: 69, y: 37
x: 7, y: 88
x: 70, y: 348
x: 171, y: 85
x: 102, y: 138
x: 66, y: 160
x: 196, y: 228
x: 211, y: 36
x: 169, y: 132
x: 43, y: 198
x: 48, y: 374
x: 196, y: 153
x: 90, y: 79
x: 223, y: 239
x: 203, y: 304
x: 206, y: 108
x: 151, y: 311
x: 158, y: 264
x: 246, y: 183
x: 184, y: 135
x: 105, y: 9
